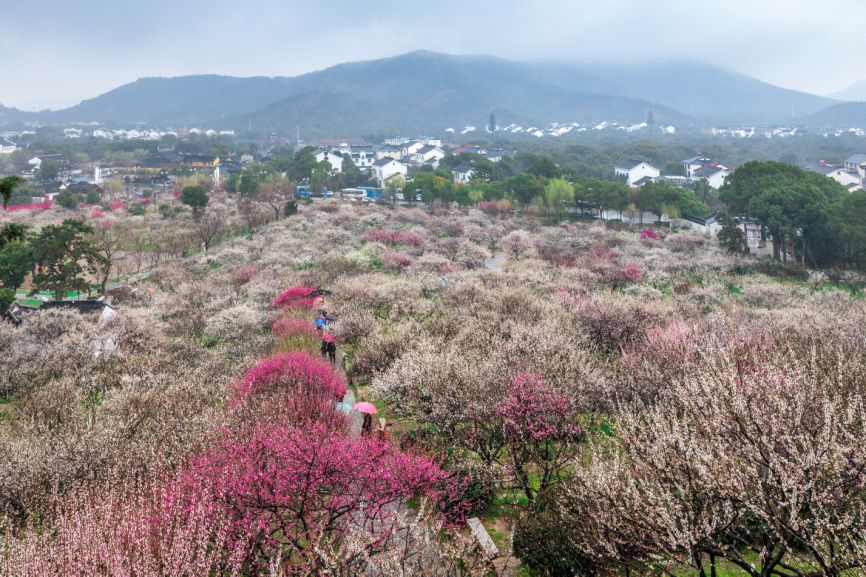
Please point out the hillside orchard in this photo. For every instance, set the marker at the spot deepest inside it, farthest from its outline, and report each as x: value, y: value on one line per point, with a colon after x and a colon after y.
x: 607, y: 400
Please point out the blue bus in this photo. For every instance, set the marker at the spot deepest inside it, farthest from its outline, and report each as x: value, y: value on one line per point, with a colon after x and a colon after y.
x: 372, y: 192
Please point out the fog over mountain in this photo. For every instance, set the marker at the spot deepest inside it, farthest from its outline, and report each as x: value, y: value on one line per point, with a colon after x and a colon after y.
x: 67, y: 54
x: 430, y: 91
x: 854, y: 93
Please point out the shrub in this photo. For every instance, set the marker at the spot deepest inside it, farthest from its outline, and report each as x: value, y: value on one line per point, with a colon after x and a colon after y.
x: 293, y: 370
x: 244, y: 274
x: 315, y: 485
x: 297, y: 297
x: 68, y: 200
x: 648, y: 234
x: 392, y: 237
x: 541, y: 545
x: 630, y: 273
x: 396, y: 259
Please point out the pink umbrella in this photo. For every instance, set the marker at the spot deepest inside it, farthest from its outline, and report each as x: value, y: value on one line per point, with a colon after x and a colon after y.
x: 368, y: 408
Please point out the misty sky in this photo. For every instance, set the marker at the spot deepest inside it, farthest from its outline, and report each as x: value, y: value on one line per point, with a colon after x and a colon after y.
x: 58, y: 52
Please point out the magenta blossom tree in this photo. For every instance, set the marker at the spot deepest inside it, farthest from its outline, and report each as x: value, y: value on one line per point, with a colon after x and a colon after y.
x: 540, y: 431
x: 297, y: 370
x: 292, y: 494
x: 296, y: 297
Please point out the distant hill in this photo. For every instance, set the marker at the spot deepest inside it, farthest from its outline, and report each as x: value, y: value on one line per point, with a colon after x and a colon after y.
x: 13, y: 115
x: 427, y: 91
x: 424, y: 91
x: 183, y: 100
x: 854, y: 93
x: 845, y: 115
x: 709, y: 93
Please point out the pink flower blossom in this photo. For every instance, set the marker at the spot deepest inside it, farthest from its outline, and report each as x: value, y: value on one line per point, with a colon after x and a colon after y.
x: 289, y: 491
x: 630, y: 273
x: 244, y: 274
x: 392, y: 237
x: 288, y: 371
x: 398, y: 259
x: 531, y: 411
x: 294, y: 326
x: 30, y: 206
x: 649, y: 234
x: 296, y: 297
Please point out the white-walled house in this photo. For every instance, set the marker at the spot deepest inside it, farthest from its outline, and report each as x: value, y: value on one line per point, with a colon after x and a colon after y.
x: 714, y: 175
x: 704, y: 168
x: 429, y: 155
x: 856, y: 164
x: 850, y: 180
x: 636, y: 170
x: 413, y: 146
x: 389, y: 151
x: 385, y: 168
x: 463, y: 173
x: 363, y: 156
x: 694, y: 164
x: 7, y: 147
x: 335, y: 160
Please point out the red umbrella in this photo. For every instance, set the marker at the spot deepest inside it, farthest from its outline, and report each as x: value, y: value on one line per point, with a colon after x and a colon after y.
x: 368, y: 408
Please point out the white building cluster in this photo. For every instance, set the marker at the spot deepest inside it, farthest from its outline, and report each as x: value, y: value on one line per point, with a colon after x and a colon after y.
x: 394, y: 156
x: 636, y: 173
x: 851, y: 175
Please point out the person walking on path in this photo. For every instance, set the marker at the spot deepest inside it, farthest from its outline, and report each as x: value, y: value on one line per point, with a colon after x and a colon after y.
x: 367, y: 427
x: 332, y: 351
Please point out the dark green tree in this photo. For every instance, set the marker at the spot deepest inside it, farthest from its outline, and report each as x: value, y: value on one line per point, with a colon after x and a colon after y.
x: 16, y: 262
x: 232, y: 182
x: 752, y: 179
x: 544, y: 166
x: 8, y: 184
x: 303, y: 167
x: 319, y: 176
x: 48, y: 170
x: 248, y: 185
x: 63, y: 255
x: 93, y: 196
x: 525, y: 187
x: 849, y: 220
x: 13, y: 231
x: 350, y: 175
x: 7, y: 297
x: 731, y: 236
x: 195, y: 197
x: 68, y: 199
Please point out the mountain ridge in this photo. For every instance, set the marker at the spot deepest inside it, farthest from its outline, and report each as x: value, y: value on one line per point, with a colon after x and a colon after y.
x: 424, y: 90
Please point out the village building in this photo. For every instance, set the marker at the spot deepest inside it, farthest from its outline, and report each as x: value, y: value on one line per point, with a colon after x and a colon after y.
x: 363, y: 156
x: 389, y: 151
x: 636, y: 171
x: 332, y: 158
x: 385, y: 168
x: 7, y: 147
x: 428, y: 154
x: 704, y: 168
x: 856, y: 164
x: 463, y: 172
x: 849, y: 179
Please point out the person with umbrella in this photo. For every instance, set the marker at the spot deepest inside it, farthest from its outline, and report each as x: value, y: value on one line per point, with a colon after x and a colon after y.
x: 368, y: 410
